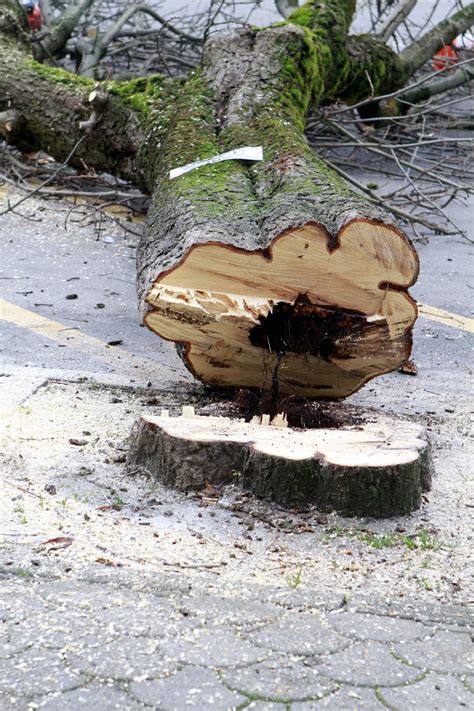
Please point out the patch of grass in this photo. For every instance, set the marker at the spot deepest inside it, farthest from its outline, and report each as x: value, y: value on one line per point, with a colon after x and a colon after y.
x: 18, y: 509
x: 421, y: 540
x: 82, y: 499
x: 294, y: 579
x: 118, y: 501
x: 427, y: 542
x: 382, y: 540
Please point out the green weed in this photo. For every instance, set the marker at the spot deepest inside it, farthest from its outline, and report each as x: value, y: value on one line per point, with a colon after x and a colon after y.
x: 294, y: 579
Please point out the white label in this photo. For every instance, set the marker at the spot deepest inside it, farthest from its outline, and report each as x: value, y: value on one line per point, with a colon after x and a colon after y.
x: 245, y: 153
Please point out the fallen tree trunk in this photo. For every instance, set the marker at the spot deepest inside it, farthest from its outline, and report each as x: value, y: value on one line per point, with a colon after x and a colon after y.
x: 277, y: 273
x: 269, y: 276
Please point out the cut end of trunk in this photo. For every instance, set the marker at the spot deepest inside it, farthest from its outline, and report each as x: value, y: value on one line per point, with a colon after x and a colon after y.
x: 320, y: 316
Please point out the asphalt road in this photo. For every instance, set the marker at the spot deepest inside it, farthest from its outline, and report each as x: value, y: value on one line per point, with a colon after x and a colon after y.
x: 76, y: 295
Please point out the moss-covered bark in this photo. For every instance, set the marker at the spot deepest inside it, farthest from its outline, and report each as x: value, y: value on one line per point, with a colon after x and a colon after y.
x: 52, y: 104
x: 254, y: 88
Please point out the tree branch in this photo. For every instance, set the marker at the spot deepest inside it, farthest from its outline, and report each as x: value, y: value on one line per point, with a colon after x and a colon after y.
x: 109, y: 36
x: 47, y: 11
x: 98, y: 49
x: 286, y: 7
x: 414, y: 56
x: 461, y: 76
x: 395, y: 19
x: 62, y: 29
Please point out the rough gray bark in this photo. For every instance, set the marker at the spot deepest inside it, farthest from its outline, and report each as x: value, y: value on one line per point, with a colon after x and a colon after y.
x: 419, y: 52
x: 378, y: 470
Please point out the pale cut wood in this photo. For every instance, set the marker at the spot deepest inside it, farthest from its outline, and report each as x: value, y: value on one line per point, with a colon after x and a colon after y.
x: 352, y: 320
x: 379, y: 469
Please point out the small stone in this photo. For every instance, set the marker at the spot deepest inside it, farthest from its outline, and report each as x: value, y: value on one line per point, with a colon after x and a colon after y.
x: 70, y: 297
x: 50, y: 489
x: 100, y: 306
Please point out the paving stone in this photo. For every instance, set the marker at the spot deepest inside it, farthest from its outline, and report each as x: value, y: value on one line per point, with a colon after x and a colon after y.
x: 436, y: 692
x: 121, y: 611
x: 18, y: 602
x: 445, y: 652
x: 228, y: 611
x: 299, y: 633
x: 136, y: 620
x: 53, y: 630
x: 304, y: 598
x: 421, y: 611
x: 213, y: 647
x: 9, y: 702
x: 279, y: 679
x: 358, y: 625
x: 368, y: 664
x: 192, y: 687
x: 93, y: 696
x: 351, y: 698
x: 126, y: 659
x: 265, y: 706
x: 8, y: 644
x: 95, y: 597
x: 37, y: 672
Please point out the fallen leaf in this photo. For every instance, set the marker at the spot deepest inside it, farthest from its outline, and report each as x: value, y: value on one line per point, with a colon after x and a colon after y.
x: 57, y: 544
x: 110, y: 563
x: 210, y: 490
x: 409, y: 368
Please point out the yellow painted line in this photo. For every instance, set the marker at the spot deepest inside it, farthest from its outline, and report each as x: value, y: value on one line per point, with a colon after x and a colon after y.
x: 78, y: 341
x: 125, y: 361
x: 446, y: 318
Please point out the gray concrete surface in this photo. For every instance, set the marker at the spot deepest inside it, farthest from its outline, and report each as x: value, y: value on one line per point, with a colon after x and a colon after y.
x: 118, y: 593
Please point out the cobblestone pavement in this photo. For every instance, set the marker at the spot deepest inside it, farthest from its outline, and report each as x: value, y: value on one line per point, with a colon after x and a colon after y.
x: 119, y: 641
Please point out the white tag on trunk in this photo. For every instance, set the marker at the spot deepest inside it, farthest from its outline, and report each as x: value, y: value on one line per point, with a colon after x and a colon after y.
x: 245, y: 153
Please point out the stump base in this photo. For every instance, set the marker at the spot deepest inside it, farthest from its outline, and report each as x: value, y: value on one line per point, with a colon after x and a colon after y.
x: 377, y: 469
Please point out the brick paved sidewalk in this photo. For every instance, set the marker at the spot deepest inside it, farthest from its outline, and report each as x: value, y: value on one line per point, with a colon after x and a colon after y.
x: 118, y: 640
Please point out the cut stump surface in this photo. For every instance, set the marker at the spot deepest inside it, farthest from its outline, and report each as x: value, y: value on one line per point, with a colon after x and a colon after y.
x: 377, y: 469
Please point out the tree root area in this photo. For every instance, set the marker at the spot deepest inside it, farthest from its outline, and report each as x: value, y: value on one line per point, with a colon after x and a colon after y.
x: 300, y: 412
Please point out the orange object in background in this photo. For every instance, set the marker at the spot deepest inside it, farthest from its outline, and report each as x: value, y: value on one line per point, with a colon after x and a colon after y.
x: 33, y: 13
x: 444, y: 58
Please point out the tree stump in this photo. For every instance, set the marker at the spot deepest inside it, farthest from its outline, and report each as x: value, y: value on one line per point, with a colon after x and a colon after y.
x: 377, y: 469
